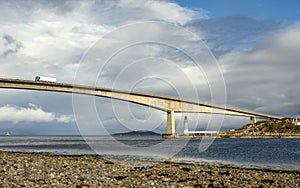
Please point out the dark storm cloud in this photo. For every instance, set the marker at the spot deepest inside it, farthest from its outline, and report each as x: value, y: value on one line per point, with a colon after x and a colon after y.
x: 232, y: 32
x: 265, y: 78
x: 26, y: 11
x: 9, y: 39
x: 11, y: 44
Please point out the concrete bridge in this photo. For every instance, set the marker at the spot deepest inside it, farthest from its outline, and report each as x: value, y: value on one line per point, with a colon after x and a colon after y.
x: 168, y: 104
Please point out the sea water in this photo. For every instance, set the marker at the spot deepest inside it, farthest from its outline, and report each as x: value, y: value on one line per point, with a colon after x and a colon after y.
x: 270, y: 153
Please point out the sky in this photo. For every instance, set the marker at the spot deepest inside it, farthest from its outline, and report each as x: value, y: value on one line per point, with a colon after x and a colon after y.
x: 242, y: 54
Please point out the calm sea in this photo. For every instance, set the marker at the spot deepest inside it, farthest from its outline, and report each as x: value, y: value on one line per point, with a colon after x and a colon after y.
x: 283, y: 154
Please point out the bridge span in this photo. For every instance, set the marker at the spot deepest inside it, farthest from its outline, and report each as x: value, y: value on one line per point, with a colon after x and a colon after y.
x: 170, y: 105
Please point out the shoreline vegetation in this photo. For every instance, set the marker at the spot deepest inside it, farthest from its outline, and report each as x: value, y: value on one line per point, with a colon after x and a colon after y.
x: 49, y: 170
x: 283, y: 128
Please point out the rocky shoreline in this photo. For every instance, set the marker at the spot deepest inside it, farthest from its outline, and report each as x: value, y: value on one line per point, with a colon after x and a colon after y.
x: 47, y: 170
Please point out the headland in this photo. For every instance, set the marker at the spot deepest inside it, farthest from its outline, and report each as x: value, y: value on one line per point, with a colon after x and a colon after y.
x: 283, y: 128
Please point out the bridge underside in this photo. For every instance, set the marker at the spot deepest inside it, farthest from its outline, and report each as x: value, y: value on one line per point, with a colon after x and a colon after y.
x: 168, y: 104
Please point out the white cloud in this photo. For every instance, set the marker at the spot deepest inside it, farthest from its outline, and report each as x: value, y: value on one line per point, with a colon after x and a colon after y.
x: 168, y: 11
x: 65, y: 118
x: 32, y: 113
x: 55, y: 35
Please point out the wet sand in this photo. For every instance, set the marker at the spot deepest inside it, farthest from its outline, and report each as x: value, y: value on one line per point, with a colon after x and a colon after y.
x: 47, y: 170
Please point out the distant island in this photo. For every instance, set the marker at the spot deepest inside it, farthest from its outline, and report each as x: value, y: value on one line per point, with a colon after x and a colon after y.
x: 137, y: 133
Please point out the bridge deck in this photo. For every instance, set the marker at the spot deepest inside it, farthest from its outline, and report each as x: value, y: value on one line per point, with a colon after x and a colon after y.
x: 164, y: 103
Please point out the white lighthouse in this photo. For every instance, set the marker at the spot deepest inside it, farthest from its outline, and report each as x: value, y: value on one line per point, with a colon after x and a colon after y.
x: 186, y: 128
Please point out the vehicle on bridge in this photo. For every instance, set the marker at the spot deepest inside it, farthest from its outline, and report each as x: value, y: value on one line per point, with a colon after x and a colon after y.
x: 44, y: 79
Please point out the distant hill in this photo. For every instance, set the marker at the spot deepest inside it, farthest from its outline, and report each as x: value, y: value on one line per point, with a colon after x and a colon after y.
x: 137, y: 133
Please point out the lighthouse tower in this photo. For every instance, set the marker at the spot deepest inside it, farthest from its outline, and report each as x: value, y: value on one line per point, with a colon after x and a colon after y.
x: 186, y: 128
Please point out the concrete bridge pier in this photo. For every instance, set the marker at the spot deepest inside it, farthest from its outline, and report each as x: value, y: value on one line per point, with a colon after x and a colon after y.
x: 253, y: 120
x: 170, y: 123
x: 170, y: 132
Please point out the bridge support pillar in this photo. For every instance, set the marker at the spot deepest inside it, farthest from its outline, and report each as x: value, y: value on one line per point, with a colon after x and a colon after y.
x: 253, y: 120
x: 170, y: 123
x: 170, y: 132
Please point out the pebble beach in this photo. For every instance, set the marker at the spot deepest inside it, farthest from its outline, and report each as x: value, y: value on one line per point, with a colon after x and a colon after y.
x: 48, y: 170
